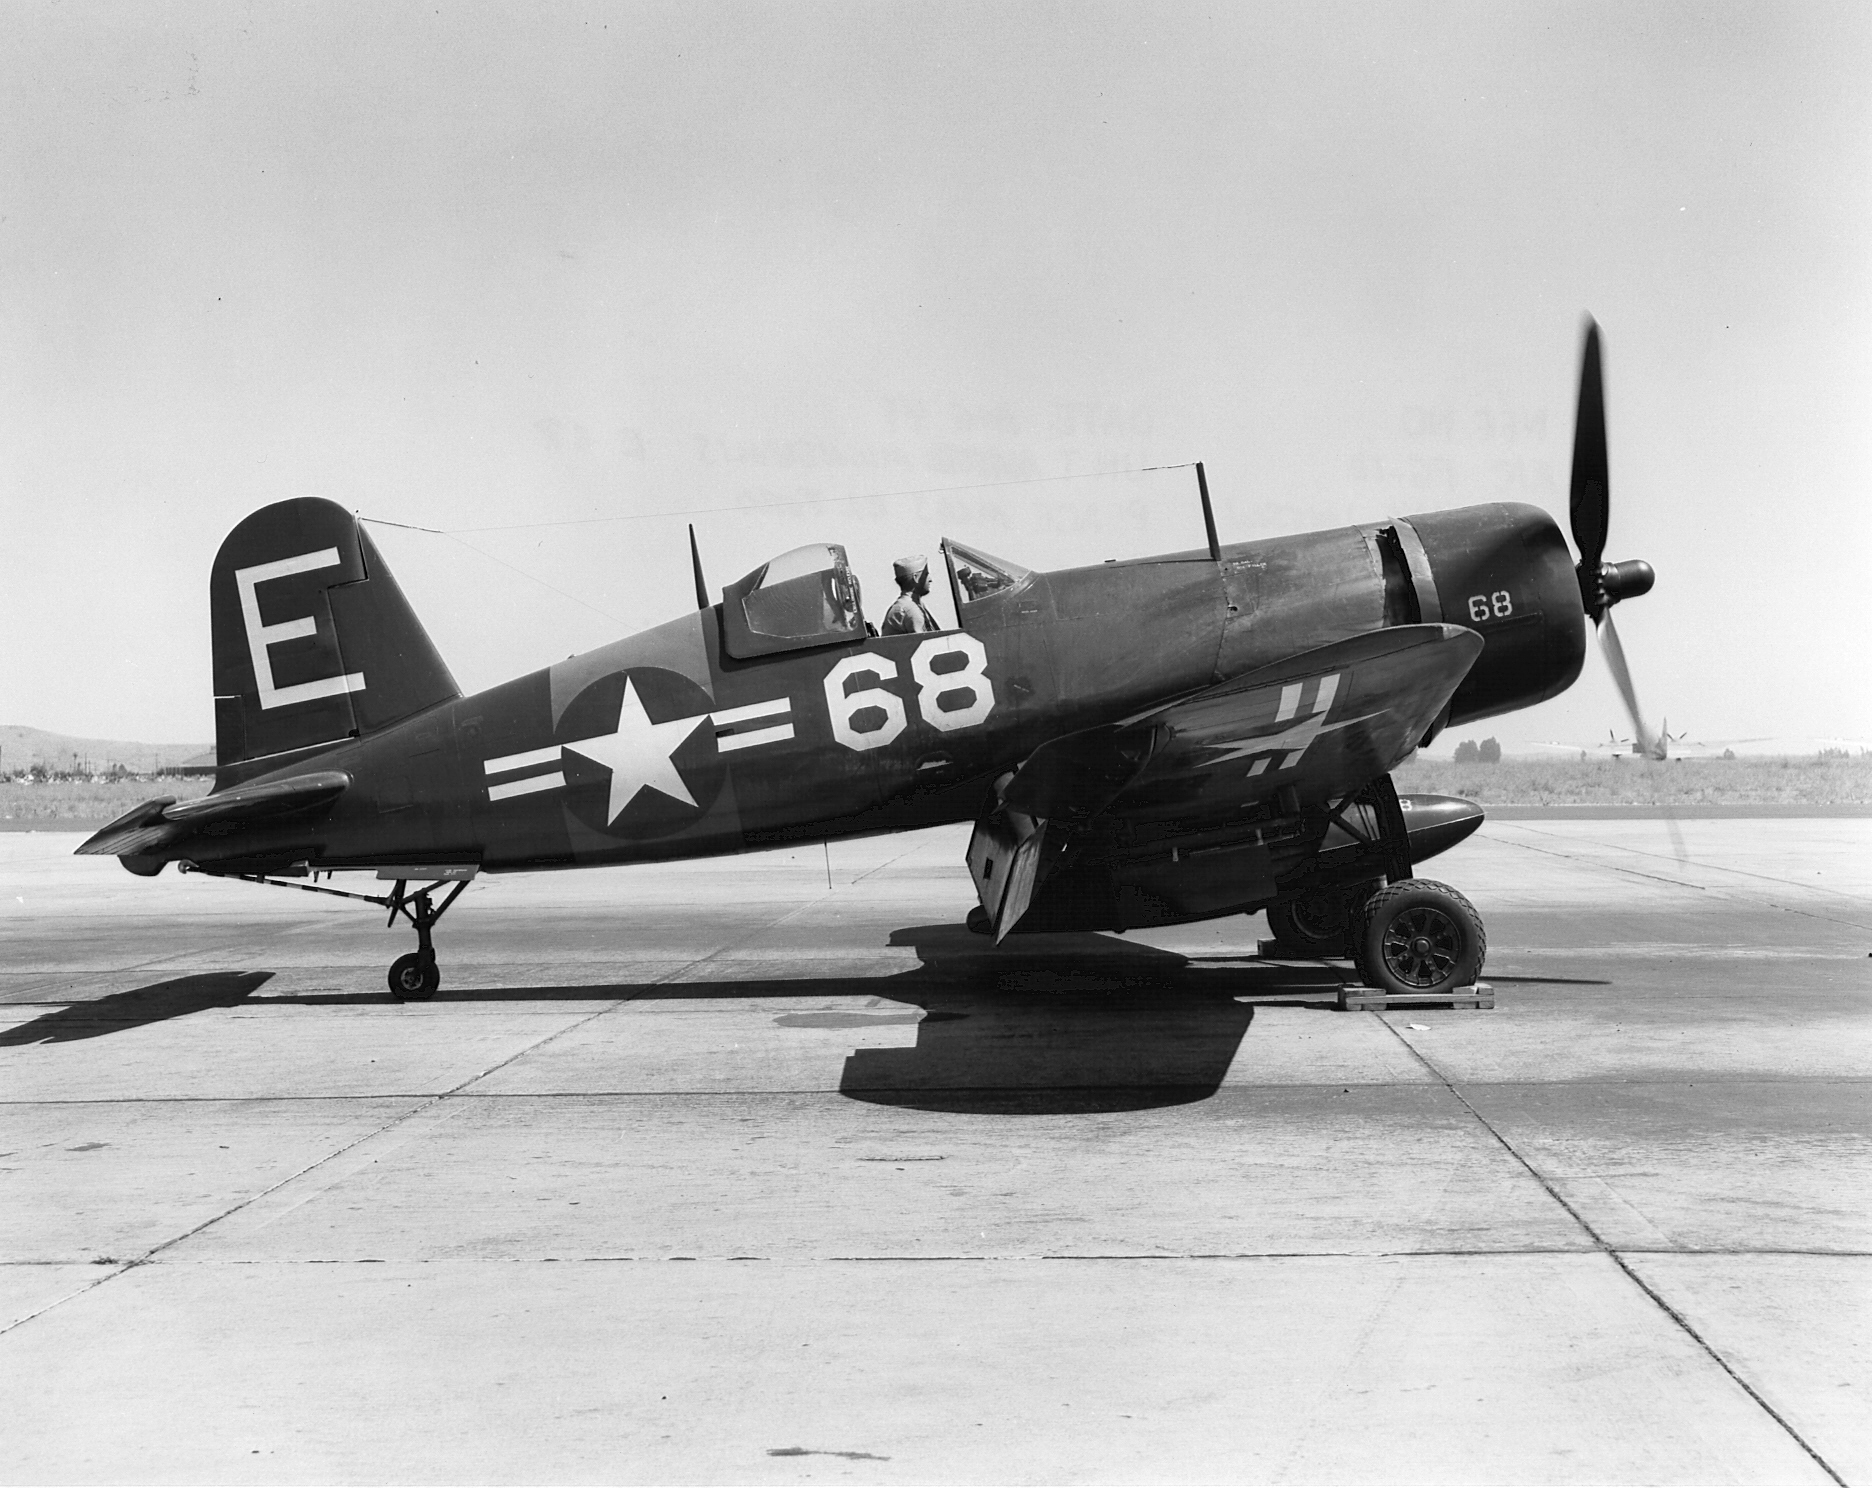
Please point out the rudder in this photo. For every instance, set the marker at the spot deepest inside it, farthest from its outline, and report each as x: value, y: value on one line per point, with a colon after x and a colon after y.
x: 314, y: 642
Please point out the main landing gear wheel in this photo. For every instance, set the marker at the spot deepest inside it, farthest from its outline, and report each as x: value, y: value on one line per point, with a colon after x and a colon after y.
x: 1323, y: 923
x: 1420, y: 936
x: 1314, y: 925
x: 414, y: 978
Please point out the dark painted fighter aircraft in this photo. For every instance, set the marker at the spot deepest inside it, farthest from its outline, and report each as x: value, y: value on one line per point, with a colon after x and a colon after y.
x: 1138, y: 743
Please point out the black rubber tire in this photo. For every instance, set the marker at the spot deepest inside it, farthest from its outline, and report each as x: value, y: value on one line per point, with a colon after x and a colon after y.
x: 980, y: 922
x: 1315, y: 924
x: 1360, y: 896
x: 1420, y: 936
x: 414, y: 978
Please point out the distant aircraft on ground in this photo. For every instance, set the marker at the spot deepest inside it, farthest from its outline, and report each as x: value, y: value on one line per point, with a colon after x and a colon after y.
x: 1683, y: 746
x: 1615, y: 744
x: 1138, y: 743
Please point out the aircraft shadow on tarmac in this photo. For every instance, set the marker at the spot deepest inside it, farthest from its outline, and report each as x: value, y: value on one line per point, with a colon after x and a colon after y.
x: 1039, y: 1025
x: 1062, y: 1023
x: 137, y: 1007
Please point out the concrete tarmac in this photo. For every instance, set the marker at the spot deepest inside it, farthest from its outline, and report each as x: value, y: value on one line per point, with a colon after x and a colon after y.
x: 763, y: 1170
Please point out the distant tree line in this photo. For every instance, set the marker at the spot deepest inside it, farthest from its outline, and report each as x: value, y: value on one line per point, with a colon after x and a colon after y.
x: 40, y: 773
x: 1488, y: 752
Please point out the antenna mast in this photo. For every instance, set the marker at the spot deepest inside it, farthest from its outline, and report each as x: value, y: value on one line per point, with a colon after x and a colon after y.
x: 1202, y: 485
x: 695, y: 559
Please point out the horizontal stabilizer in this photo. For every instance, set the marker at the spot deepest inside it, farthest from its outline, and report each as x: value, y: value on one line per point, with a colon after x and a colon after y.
x: 251, y: 803
x: 136, y: 831
x: 165, y: 820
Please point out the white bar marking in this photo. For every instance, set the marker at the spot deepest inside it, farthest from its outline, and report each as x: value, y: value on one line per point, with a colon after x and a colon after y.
x: 752, y: 710
x: 728, y: 743
x: 526, y: 787
x: 1328, y: 690
x: 520, y: 761
x: 1290, y: 701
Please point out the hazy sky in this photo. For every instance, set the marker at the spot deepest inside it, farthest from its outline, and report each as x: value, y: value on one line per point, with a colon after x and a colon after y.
x: 475, y: 266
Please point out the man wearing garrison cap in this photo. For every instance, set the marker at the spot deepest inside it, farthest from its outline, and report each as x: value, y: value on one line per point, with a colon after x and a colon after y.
x: 907, y: 614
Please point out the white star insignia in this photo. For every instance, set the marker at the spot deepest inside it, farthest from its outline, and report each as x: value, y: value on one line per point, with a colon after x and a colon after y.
x: 638, y: 753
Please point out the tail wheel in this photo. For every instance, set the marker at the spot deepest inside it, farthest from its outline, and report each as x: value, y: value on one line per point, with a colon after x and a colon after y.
x: 1420, y: 936
x: 414, y: 978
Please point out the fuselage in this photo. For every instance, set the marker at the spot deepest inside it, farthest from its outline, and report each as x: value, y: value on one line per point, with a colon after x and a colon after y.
x: 666, y: 744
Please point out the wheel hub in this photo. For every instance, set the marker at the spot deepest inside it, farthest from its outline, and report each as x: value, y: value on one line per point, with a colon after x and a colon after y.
x: 1422, y: 946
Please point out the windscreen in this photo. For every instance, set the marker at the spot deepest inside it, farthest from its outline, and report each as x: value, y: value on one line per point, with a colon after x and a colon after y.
x: 980, y: 575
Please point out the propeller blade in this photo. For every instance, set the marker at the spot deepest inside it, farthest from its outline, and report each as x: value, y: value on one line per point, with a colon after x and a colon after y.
x: 1589, y: 490
x: 1621, y: 674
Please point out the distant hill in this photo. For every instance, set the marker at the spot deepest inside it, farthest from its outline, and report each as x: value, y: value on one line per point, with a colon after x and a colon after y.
x: 22, y: 747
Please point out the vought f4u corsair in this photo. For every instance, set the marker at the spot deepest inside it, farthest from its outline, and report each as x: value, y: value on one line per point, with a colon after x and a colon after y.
x: 1138, y: 743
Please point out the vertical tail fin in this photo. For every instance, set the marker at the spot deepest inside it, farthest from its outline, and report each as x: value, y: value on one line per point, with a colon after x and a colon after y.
x: 313, y: 640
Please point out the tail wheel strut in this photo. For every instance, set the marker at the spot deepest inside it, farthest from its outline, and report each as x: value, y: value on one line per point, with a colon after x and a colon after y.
x: 415, y: 977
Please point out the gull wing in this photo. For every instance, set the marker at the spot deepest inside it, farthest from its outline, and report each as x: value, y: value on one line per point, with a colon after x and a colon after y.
x: 1322, y: 722
x: 1318, y: 724
x: 1308, y: 729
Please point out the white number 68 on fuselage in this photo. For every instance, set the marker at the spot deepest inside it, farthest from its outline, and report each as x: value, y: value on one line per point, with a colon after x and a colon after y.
x: 947, y: 697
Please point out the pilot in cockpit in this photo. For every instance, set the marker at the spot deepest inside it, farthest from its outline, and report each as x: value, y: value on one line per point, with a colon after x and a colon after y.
x: 908, y: 615
x: 977, y: 583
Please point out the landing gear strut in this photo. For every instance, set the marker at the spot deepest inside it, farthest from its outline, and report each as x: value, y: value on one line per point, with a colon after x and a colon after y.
x: 1408, y: 936
x: 415, y: 977
x: 1323, y: 922
x: 1323, y: 912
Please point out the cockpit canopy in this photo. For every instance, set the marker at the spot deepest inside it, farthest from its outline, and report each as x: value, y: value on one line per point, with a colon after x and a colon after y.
x: 805, y: 598
x: 809, y: 597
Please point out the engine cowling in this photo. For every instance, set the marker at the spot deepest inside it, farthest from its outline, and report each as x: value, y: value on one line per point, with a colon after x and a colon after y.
x: 1505, y: 572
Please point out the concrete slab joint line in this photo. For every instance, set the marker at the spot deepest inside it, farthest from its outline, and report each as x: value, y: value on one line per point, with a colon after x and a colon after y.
x: 1656, y: 1299
x: 1751, y: 895
x: 431, y: 1105
x: 1514, y: 1246
x: 1639, y: 852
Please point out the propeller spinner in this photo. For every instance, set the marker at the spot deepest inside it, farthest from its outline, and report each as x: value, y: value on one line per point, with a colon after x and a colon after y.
x: 1602, y: 584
